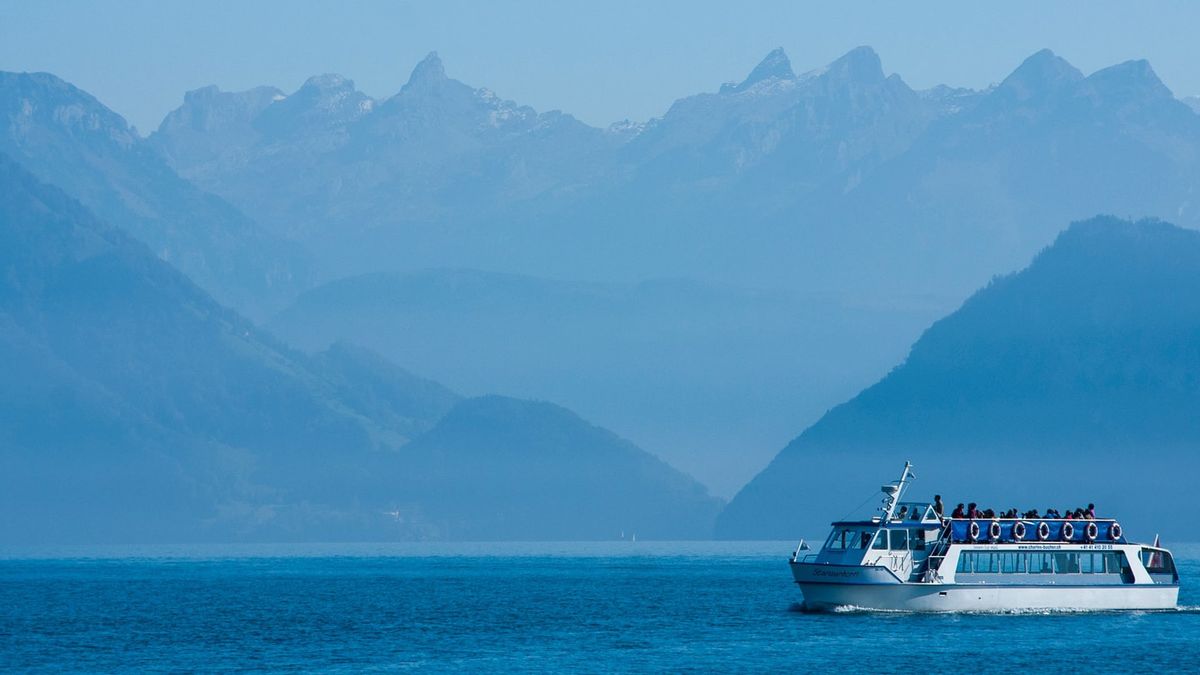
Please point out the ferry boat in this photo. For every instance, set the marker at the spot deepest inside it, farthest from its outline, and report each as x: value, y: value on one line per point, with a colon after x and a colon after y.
x: 909, y: 558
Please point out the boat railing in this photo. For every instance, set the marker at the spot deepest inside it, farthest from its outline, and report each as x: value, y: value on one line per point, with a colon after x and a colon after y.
x: 1031, y: 520
x: 1022, y: 529
x: 803, y: 546
x: 898, y: 559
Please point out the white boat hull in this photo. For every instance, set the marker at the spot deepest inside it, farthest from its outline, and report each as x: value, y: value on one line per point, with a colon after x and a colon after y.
x: 934, y: 597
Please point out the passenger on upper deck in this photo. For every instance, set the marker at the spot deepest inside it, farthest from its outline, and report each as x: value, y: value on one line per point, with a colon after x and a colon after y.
x: 972, y: 511
x: 1051, y: 513
x: 903, y: 512
x: 937, y: 506
x: 1032, y: 513
x: 1091, y: 512
x: 958, y: 512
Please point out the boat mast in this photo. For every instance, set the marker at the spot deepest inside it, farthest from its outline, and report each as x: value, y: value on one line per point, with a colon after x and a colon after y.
x: 894, y: 491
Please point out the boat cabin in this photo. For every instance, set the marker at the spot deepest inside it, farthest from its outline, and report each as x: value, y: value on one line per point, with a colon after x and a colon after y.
x: 901, y: 543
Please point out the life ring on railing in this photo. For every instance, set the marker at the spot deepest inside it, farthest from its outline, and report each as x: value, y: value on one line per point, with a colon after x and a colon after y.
x: 1091, y: 531
x: 994, y: 530
x: 1114, y: 531
x: 1068, y: 531
x: 974, y: 531
x: 1018, y: 530
x: 1043, y: 531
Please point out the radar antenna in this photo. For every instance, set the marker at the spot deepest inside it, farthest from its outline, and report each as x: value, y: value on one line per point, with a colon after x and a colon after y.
x: 894, y: 490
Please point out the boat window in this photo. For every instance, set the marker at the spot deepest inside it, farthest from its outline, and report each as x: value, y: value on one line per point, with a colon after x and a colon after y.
x: 881, y: 541
x: 986, y: 562
x: 1066, y: 563
x: 848, y: 538
x: 916, y: 540
x: 1039, y: 563
x: 1157, y: 562
x: 899, y: 540
x: 1099, y: 563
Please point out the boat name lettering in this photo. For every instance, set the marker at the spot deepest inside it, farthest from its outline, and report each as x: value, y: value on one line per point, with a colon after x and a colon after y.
x: 818, y: 572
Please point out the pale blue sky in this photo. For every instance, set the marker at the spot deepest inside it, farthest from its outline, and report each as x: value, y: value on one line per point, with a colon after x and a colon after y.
x: 601, y: 61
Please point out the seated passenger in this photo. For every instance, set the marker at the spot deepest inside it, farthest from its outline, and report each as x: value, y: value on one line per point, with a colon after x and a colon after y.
x: 1070, y: 515
x: 989, y: 513
x: 1032, y: 513
x: 958, y: 512
x: 1091, y: 512
x: 972, y: 511
x: 1053, y: 513
x: 903, y: 512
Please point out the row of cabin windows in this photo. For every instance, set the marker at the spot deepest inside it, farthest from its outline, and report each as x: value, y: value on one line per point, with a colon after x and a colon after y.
x: 852, y: 538
x: 1025, y: 562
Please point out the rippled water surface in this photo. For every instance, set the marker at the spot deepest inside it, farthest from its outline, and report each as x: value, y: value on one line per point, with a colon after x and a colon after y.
x: 589, y: 607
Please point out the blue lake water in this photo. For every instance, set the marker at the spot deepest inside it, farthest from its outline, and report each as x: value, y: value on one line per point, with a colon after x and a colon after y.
x: 581, y: 607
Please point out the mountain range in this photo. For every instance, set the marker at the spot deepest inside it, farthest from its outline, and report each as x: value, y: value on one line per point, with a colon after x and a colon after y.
x: 703, y: 283
x: 67, y: 138
x: 1074, y: 381
x: 139, y: 409
x: 843, y: 183
x: 841, y: 179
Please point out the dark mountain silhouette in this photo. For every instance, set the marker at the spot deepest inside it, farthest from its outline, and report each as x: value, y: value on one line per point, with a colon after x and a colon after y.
x: 712, y: 377
x: 502, y: 468
x: 137, y: 408
x: 67, y: 138
x: 1076, y: 380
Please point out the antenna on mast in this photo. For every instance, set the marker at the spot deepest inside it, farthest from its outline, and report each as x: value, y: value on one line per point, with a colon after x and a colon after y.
x: 894, y: 490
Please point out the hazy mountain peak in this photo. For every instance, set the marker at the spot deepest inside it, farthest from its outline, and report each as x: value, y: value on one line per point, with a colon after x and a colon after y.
x: 428, y: 71
x: 1113, y: 238
x: 775, y: 66
x: 1042, y: 72
x: 59, y: 103
x: 860, y: 64
x: 328, y: 82
x: 1129, y: 80
x: 202, y: 93
x: 206, y: 100
x: 323, y: 101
